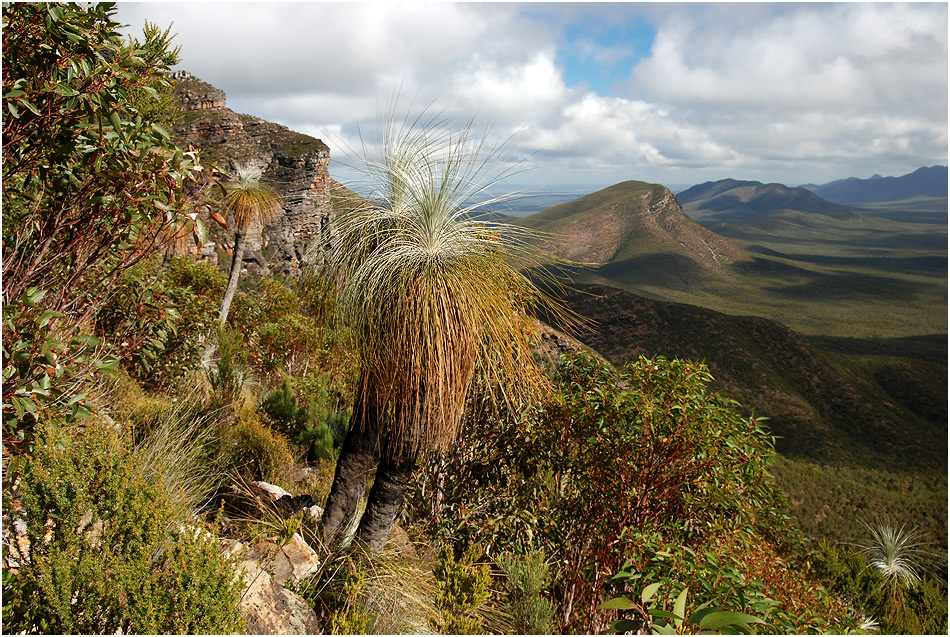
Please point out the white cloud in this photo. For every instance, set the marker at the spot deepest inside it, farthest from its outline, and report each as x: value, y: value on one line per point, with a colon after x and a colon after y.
x: 775, y: 92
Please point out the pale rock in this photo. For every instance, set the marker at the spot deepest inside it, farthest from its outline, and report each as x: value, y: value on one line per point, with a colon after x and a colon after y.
x: 271, y: 490
x: 295, y: 561
x: 270, y: 609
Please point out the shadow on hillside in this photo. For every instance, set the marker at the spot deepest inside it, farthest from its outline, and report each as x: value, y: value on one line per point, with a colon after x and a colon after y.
x: 930, y: 347
x: 667, y: 270
x: 801, y: 284
x: 926, y: 265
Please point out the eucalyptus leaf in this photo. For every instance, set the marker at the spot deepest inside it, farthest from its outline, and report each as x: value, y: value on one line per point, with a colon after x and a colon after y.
x: 619, y: 603
x: 650, y: 592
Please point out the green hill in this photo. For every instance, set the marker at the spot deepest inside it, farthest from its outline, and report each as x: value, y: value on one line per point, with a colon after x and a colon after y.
x: 840, y: 273
x: 633, y: 228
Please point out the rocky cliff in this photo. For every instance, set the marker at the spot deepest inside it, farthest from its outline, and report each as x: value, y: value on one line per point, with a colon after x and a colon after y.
x: 296, y: 165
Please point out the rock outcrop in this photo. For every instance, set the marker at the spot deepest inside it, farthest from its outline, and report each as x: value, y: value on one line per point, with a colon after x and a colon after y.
x: 296, y: 165
x: 270, y: 609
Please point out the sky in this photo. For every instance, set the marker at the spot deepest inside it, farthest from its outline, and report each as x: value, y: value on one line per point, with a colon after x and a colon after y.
x: 595, y: 94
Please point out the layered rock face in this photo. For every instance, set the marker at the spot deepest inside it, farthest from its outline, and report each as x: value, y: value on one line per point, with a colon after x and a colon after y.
x: 295, y: 165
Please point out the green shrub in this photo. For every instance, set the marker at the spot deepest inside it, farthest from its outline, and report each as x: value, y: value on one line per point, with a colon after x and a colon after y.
x: 311, y: 427
x: 326, y: 398
x: 258, y: 451
x: 462, y: 588
x: 528, y: 577
x: 280, y: 406
x: 44, y: 371
x: 731, y: 568
x: 270, y: 301
x: 204, y: 279
x: 348, y: 619
x: 111, y: 545
x: 158, y: 324
x: 610, y: 455
x: 291, y: 343
x: 317, y: 436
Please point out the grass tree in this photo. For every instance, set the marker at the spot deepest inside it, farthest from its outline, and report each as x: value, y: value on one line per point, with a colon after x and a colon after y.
x: 249, y: 201
x: 436, y: 302
x: 896, y: 554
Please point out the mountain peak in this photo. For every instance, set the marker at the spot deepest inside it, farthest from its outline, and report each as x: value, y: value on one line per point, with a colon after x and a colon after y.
x: 639, y: 226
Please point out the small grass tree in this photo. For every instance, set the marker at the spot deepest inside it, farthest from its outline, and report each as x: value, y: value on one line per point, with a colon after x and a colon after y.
x: 896, y: 554
x: 435, y: 300
x: 248, y: 200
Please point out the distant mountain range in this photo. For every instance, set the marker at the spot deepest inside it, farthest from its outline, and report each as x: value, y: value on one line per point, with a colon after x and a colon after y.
x: 828, y: 269
x: 924, y: 186
x: 731, y: 200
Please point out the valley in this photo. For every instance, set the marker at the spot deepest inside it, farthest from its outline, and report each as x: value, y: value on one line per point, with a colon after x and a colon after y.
x: 832, y: 272
x: 830, y: 321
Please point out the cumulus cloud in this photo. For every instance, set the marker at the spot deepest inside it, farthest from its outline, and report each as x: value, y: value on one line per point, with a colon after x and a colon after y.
x: 774, y: 92
x: 853, y: 84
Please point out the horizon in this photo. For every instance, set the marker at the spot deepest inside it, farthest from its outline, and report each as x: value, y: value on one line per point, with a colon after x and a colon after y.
x: 597, y: 93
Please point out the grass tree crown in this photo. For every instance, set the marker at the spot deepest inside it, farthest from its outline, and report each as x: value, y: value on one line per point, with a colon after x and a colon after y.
x: 248, y: 198
x: 436, y: 298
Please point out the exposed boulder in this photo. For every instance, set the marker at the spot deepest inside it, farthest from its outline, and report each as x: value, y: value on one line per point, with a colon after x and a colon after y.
x: 295, y: 561
x: 270, y: 609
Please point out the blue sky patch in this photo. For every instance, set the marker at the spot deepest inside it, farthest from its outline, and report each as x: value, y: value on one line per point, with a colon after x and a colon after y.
x: 602, y: 54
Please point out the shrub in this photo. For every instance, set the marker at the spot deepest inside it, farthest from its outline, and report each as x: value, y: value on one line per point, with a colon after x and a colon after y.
x: 325, y: 397
x: 44, y: 371
x: 204, y: 279
x: 280, y: 406
x: 528, y: 577
x: 158, y: 328
x: 267, y: 304
x: 111, y: 548
x: 735, y: 569
x: 91, y: 185
x: 258, y: 451
x: 313, y: 428
x: 293, y: 345
x: 349, y: 620
x: 610, y: 453
x: 462, y: 588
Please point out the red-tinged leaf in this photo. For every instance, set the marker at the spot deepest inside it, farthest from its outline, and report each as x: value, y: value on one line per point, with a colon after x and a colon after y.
x: 218, y: 219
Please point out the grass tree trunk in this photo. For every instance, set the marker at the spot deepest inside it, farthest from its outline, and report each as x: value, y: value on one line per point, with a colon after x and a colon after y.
x: 352, y: 471
x: 386, y: 498
x: 236, y: 263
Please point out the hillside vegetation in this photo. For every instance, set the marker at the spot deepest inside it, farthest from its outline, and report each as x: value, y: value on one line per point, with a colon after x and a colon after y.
x: 838, y: 273
x: 874, y: 411
x: 140, y: 421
